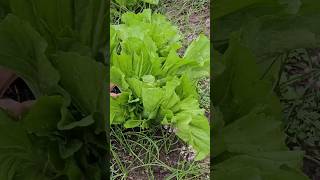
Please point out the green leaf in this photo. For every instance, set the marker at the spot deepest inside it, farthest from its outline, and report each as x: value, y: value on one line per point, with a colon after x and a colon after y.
x: 275, y: 165
x: 118, y: 78
x: 124, y: 63
x: 118, y: 111
x: 113, y: 39
x: 194, y: 129
x: 67, y: 149
x: 47, y: 107
x: 81, y: 23
x: 72, y: 170
x: 199, y: 50
x: 246, y: 134
x: 171, y: 98
x: 17, y: 153
x: 69, y: 123
x: 186, y: 88
x: 148, y: 78
x: 22, y: 50
x: 91, y: 24
x: 85, y: 80
x: 243, y: 86
x: 51, y: 19
x: 55, y: 14
x: 132, y: 123
x: 136, y: 86
x: 151, y: 98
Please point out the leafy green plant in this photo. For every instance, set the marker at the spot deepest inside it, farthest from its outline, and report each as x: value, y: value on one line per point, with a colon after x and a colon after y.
x: 57, y: 48
x: 251, y: 39
x: 157, y: 86
x: 248, y: 139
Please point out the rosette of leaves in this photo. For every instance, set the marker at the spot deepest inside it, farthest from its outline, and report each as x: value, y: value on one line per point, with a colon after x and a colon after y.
x: 248, y: 140
x: 156, y: 84
x: 56, y: 48
x: 268, y: 30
